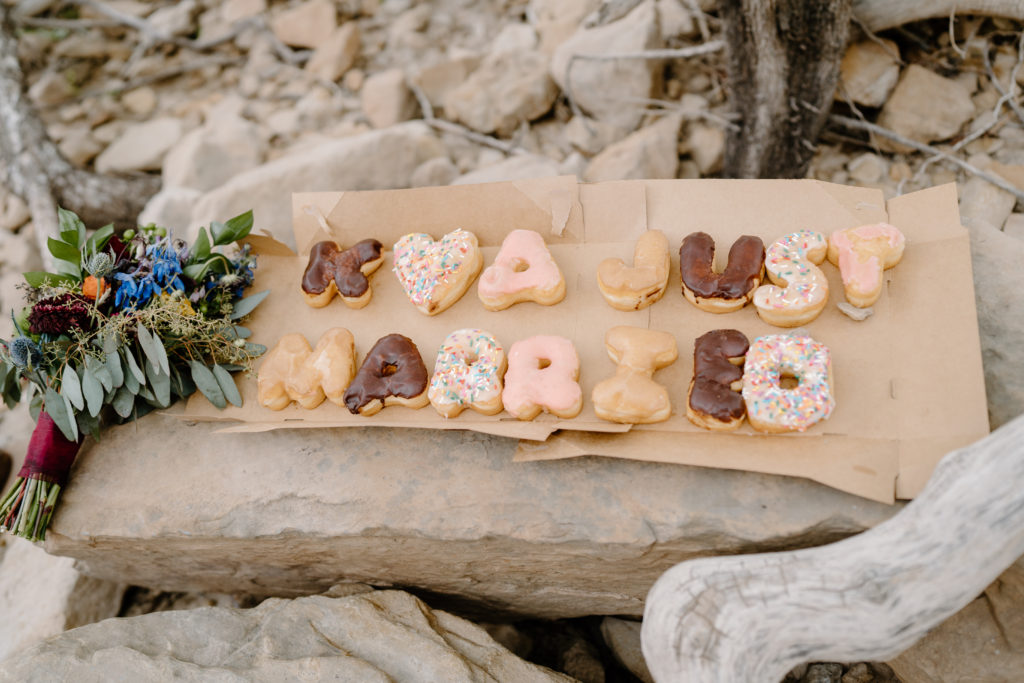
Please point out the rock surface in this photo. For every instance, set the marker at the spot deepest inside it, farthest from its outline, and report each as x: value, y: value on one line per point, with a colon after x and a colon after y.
x: 998, y: 282
x: 307, y: 24
x: 868, y: 72
x: 377, y: 636
x: 293, y: 512
x: 516, y: 167
x: 337, y: 54
x: 650, y: 152
x: 507, y: 89
x: 605, y: 88
x: 386, y: 99
x: 925, y: 107
x: 623, y: 639
x: 376, y: 160
x: 141, y: 147
x: 213, y: 154
x: 42, y: 595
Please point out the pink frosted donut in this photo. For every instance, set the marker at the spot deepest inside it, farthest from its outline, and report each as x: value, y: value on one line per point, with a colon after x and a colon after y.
x: 863, y: 254
x: 770, y: 407
x: 467, y: 374
x: 522, y: 271
x: 542, y: 374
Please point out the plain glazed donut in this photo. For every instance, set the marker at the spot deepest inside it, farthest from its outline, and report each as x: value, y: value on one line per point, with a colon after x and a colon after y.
x: 800, y: 291
x: 467, y: 374
x: 863, y: 254
x: 631, y: 396
x: 522, y: 271
x: 634, y: 288
x: 433, y: 274
x: 713, y: 400
x: 391, y: 374
x: 542, y: 375
x: 722, y: 292
x: 770, y: 407
x: 332, y: 270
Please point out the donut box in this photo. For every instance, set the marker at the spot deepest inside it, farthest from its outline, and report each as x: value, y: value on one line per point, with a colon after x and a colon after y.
x: 900, y: 403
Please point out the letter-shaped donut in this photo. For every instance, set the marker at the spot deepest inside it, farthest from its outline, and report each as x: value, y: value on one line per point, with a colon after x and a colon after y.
x: 722, y: 292
x: 802, y: 289
x: 542, y: 375
x: 467, y: 374
x: 713, y: 400
x: 391, y: 374
x: 332, y: 270
x: 862, y: 254
x: 772, y: 408
x: 632, y: 289
x: 523, y: 270
x: 630, y: 396
x: 433, y: 274
x: 292, y: 371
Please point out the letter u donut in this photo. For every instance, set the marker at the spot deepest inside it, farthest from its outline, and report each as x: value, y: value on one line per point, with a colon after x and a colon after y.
x: 800, y: 291
x: 542, y: 375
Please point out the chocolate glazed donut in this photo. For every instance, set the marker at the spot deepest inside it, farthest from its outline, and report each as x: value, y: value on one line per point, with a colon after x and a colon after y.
x: 721, y: 292
x: 392, y: 373
x: 714, y: 400
x: 346, y: 270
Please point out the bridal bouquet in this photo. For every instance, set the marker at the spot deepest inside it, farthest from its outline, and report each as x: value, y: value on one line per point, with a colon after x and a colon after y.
x: 125, y: 325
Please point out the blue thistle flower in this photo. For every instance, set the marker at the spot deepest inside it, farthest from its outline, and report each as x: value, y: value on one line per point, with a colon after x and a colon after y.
x: 25, y: 353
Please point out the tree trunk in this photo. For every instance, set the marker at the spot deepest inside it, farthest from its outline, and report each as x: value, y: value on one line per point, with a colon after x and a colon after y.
x: 32, y: 167
x: 783, y: 68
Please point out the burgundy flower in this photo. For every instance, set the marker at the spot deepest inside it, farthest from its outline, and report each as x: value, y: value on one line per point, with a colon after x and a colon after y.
x: 59, y: 315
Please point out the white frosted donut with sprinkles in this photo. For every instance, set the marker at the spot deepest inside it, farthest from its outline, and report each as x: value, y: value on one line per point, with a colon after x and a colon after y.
x: 468, y: 374
x: 435, y: 274
x: 800, y: 289
x: 772, y: 408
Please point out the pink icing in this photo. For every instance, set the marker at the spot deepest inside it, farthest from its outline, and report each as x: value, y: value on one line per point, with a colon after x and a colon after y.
x: 520, y: 246
x: 863, y: 275
x: 554, y: 387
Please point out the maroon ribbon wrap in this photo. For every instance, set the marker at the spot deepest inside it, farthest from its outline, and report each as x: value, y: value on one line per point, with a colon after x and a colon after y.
x: 50, y: 455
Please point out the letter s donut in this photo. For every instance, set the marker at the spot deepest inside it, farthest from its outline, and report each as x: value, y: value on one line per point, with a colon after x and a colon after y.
x: 862, y: 254
x: 467, y: 374
x: 800, y: 291
x: 772, y: 408
x: 542, y: 375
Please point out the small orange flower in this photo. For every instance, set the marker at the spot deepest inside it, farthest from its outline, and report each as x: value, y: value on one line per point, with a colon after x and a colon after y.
x: 93, y: 287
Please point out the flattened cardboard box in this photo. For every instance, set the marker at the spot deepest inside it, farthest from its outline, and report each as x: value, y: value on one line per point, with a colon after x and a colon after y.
x: 908, y: 380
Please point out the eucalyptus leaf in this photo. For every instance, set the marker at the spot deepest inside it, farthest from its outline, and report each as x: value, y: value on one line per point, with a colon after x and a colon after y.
x: 92, y: 388
x: 112, y: 362
x: 149, y: 346
x: 88, y: 424
x: 133, y: 367
x: 123, y: 402
x: 131, y: 382
x: 242, y: 332
x: 227, y: 385
x: 245, y: 306
x: 181, y: 383
x: 207, y: 384
x: 255, y: 349
x: 161, y: 384
x: 145, y: 393
x: 99, y: 369
x: 35, y: 405
x: 61, y: 411
x: 110, y: 344
x: 71, y: 387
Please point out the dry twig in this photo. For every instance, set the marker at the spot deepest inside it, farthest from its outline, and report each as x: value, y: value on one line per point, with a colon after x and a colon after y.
x: 1006, y: 97
x: 450, y: 127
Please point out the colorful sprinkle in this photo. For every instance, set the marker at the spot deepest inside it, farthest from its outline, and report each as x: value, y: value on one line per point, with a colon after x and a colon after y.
x: 467, y: 368
x: 772, y: 356
x: 423, y: 265
x: 787, y: 261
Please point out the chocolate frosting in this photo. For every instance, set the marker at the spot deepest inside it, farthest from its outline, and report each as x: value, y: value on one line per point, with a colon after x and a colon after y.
x: 327, y: 262
x: 696, y: 262
x: 712, y: 393
x: 393, y: 367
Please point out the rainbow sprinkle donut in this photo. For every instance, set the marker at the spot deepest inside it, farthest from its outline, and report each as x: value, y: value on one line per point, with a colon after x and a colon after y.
x: 772, y: 408
x: 467, y: 374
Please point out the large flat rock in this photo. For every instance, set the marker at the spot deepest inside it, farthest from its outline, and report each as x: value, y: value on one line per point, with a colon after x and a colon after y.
x: 172, y: 505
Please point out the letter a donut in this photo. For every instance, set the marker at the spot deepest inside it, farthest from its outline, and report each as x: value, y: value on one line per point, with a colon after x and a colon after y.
x: 467, y: 374
x: 522, y: 271
x: 391, y: 374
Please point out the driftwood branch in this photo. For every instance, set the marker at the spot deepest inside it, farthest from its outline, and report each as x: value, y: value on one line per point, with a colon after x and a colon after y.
x: 33, y: 168
x: 879, y: 15
x: 867, y: 598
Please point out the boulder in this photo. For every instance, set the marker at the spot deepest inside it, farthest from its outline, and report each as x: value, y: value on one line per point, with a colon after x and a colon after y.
x: 139, y: 101
x: 13, y: 210
x: 1014, y: 226
x: 171, y: 208
x: 175, y: 19
x: 506, y: 90
x: 924, y: 107
x: 175, y: 506
x: 337, y: 54
x: 651, y: 152
x: 437, y: 80
x: 706, y: 145
x: 236, y: 10
x: 998, y: 283
x: 623, y: 638
x: 376, y: 160
x: 51, y: 88
x: 377, y: 636
x: 42, y: 595
x: 386, y: 99
x: 867, y: 168
x: 214, y: 153
x: 514, y: 37
x: 980, y: 200
x: 307, y: 24
x: 556, y: 20
x: 434, y: 172
x: 608, y: 89
x: 868, y: 72
x: 590, y: 136
x: 142, y: 146
x: 516, y: 167
x: 676, y: 21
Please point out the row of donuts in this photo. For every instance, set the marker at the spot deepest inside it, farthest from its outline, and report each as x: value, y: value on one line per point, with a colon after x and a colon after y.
x: 435, y: 274
x: 732, y: 378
